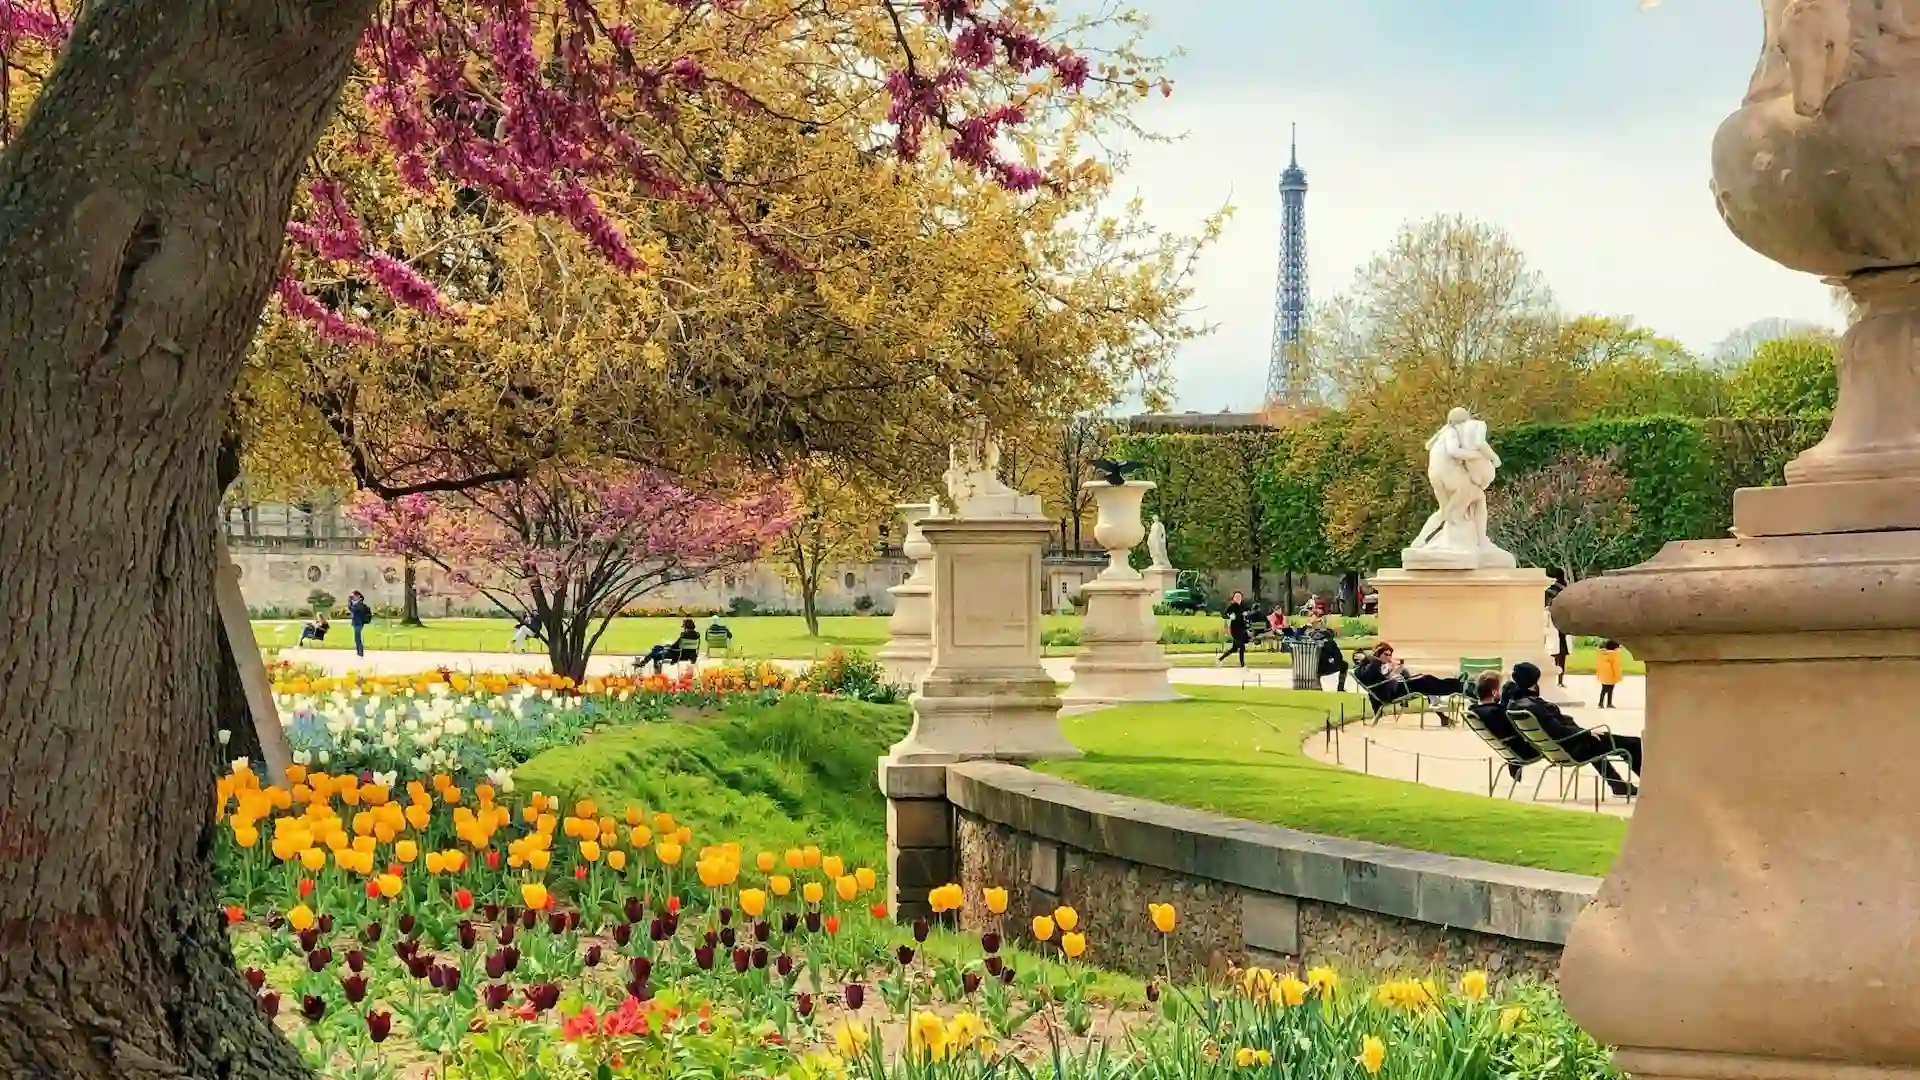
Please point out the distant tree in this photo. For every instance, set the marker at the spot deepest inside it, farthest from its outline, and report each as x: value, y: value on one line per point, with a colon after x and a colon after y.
x: 1076, y: 444
x: 1790, y: 376
x: 1738, y: 347
x: 573, y: 548
x: 1576, y: 515
x: 832, y: 522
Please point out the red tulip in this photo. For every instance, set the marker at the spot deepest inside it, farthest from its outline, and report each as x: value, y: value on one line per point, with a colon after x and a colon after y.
x: 256, y: 978
x: 832, y: 924
x: 463, y: 899
x: 373, y: 889
x: 879, y: 911
x: 379, y: 1026
x: 580, y: 873
x: 306, y: 888
x: 673, y: 905
x: 493, y: 859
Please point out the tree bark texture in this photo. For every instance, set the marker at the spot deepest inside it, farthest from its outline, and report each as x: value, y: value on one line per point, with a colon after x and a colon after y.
x: 142, y: 208
x: 410, y: 598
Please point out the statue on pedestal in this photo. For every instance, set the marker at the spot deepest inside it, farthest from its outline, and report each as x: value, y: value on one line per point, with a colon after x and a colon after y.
x: 973, y: 480
x: 1157, y: 545
x: 1461, y: 465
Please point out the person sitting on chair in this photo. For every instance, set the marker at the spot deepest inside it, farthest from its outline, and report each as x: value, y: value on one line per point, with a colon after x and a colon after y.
x: 1386, y: 680
x: 1578, y: 741
x: 680, y: 648
x: 1491, y: 711
x: 1332, y: 660
x: 315, y: 629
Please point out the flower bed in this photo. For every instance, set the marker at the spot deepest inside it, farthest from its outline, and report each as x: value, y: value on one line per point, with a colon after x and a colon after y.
x: 456, y: 931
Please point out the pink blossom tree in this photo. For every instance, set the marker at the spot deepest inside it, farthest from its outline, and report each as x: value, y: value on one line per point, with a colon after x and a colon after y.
x: 571, y: 549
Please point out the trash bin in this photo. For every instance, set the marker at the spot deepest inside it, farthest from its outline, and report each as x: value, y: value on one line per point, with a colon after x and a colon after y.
x: 1306, y: 664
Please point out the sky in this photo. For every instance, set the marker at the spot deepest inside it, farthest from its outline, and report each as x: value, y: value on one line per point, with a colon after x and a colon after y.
x: 1582, y: 127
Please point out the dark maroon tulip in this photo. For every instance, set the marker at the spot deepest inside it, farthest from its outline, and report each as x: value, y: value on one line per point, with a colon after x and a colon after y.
x: 404, y: 948
x: 256, y: 979
x: 1153, y: 990
x: 407, y: 923
x: 635, y: 909
x: 640, y: 990
x: 762, y: 930
x: 741, y: 958
x: 512, y: 953
x: 856, y: 996
x: 713, y: 940
x: 803, y: 1005
x: 622, y: 934
x: 592, y: 959
x: 760, y: 957
x: 920, y: 930
x: 1006, y: 975
x: 491, y: 911
x: 449, y: 978
x: 468, y: 935
x: 813, y: 922
x: 496, y: 965
x: 906, y: 955
x: 326, y: 924
x: 309, y: 938
x: 418, y: 966
x: 269, y: 1004
x: 556, y: 922
x: 356, y: 960
x: 993, y: 966
x: 641, y: 968
x: 436, y: 976
x: 970, y: 981
x: 727, y: 936
x: 379, y: 1026
x: 313, y: 1008
x: 703, y: 956
x: 657, y: 930
x: 529, y: 919
x: 318, y: 959
x: 789, y: 923
x: 671, y: 921
x: 544, y: 996
x: 990, y: 942
x: 573, y: 920
x: 275, y: 920
x: 726, y: 915
x: 784, y: 965
x: 371, y: 932
x: 355, y: 987
x: 496, y: 994
x: 505, y: 933
x: 510, y: 914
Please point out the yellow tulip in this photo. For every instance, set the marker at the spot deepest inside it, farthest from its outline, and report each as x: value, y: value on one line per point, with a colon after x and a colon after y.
x: 849, y: 1040
x: 668, y: 852
x: 780, y: 884
x: 1163, y: 917
x: 764, y: 861
x: 1474, y: 985
x: 1244, y: 1057
x: 833, y: 866
x: 313, y: 859
x: 846, y: 888
x: 634, y: 817
x: 364, y: 844
x: 795, y: 859
x: 1511, y: 1017
x: 301, y: 918
x: 996, y: 900
x: 753, y: 903
x: 384, y: 833
x: 812, y: 893
x: 812, y: 855
x: 534, y: 895
x: 246, y: 836
x: 1290, y: 991
x: 389, y: 885
x: 928, y: 1036
x: 616, y: 860
x: 539, y: 859
x: 663, y: 823
x: 1373, y: 1054
x: 590, y: 850
x: 1323, y: 979
x: 455, y: 859
x: 1042, y: 928
x: 436, y: 863
x: 1073, y: 945
x: 683, y: 834
x: 1066, y: 917
x: 865, y: 877
x: 419, y: 817
x: 586, y: 808
x: 406, y: 851
x: 640, y: 836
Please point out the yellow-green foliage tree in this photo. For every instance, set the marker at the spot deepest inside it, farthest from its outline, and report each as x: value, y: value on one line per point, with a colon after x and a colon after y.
x: 835, y: 521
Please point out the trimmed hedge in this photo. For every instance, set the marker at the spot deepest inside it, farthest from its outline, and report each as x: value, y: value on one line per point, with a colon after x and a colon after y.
x: 1261, y: 499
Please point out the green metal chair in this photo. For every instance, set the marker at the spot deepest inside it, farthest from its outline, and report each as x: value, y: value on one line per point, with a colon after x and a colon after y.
x: 1565, y: 762
x: 1471, y: 668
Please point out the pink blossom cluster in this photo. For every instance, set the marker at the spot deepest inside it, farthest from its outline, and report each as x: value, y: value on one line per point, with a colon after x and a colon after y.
x: 31, y: 21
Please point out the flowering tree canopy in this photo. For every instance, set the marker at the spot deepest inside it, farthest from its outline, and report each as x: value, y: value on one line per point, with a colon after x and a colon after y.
x: 571, y: 549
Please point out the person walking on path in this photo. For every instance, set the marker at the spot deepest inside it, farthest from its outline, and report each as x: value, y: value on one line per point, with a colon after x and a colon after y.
x: 522, y: 631
x: 360, y: 614
x: 1237, y: 634
x: 1607, y: 668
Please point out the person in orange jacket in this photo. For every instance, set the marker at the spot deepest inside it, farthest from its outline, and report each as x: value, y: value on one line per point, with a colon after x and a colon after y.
x: 1606, y: 667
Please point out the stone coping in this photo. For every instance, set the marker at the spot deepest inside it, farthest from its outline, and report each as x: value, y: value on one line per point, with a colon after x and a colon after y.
x: 1444, y: 890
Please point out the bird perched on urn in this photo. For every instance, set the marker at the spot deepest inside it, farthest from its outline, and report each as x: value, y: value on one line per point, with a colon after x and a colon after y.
x: 1115, y: 472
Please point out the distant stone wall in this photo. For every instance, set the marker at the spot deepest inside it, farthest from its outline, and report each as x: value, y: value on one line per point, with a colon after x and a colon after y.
x: 1246, y: 893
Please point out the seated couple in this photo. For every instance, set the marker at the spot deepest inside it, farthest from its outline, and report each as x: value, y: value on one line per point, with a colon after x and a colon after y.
x: 682, y: 649
x: 1386, y: 680
x: 1524, y: 693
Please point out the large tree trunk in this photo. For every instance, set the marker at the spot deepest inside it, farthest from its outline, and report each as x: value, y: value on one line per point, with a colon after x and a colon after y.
x: 410, y: 598
x: 810, y: 602
x: 141, y: 216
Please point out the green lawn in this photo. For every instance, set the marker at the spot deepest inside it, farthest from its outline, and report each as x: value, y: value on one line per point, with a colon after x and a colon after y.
x: 1208, y: 753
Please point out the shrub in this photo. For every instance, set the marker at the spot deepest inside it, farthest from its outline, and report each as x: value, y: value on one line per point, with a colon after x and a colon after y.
x: 741, y: 607
x: 1059, y: 637
x: 863, y: 604
x: 850, y: 674
x: 1184, y: 635
x: 320, y: 600
x: 1358, y: 626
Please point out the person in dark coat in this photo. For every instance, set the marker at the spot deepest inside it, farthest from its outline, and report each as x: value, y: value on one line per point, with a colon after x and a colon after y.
x: 1578, y: 741
x: 361, y: 615
x: 1237, y: 632
x: 1491, y: 711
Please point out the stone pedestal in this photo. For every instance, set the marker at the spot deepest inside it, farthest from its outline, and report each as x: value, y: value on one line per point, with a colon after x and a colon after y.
x: 985, y: 694
x: 909, y: 648
x: 920, y: 836
x: 1163, y: 579
x: 1120, y: 657
x: 1433, y: 618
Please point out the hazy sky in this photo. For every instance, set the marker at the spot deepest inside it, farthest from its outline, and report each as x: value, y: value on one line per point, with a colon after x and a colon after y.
x: 1580, y: 126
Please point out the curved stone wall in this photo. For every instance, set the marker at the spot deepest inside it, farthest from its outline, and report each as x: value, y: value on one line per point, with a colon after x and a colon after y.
x: 1246, y: 893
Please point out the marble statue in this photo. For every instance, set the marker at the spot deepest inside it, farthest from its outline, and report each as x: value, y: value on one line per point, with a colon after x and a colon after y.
x: 1157, y: 544
x: 973, y: 480
x: 1461, y: 465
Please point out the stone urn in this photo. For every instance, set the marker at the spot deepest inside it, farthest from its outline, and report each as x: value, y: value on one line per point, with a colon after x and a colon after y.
x: 1119, y: 529
x: 1759, y: 920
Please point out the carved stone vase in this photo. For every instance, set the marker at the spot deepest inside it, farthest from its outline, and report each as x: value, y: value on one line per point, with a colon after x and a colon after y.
x: 1760, y: 919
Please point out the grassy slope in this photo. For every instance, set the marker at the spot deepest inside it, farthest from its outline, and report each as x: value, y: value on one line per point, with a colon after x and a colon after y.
x: 801, y: 772
x: 1208, y: 753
